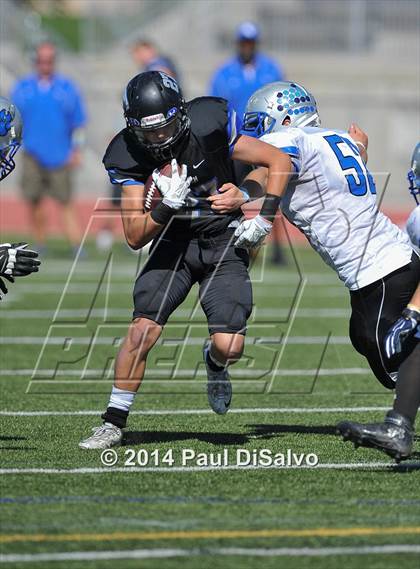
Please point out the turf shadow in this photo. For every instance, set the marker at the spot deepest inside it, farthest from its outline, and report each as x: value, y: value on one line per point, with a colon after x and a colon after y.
x: 405, y: 467
x: 13, y: 438
x: 148, y: 437
x: 271, y: 431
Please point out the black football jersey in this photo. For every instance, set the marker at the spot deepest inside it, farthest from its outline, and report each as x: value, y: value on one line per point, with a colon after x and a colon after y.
x: 207, y: 154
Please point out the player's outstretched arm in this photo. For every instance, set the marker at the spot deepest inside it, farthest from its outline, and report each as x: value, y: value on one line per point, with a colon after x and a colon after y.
x: 230, y: 197
x: 405, y: 326
x: 259, y: 153
x: 252, y: 232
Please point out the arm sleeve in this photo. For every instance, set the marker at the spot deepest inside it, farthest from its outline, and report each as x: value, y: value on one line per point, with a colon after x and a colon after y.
x: 122, y: 169
x: 119, y: 177
x: 289, y: 145
x: 233, y: 127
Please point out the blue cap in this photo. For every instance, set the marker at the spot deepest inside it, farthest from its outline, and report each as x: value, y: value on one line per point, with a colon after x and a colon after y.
x: 247, y: 31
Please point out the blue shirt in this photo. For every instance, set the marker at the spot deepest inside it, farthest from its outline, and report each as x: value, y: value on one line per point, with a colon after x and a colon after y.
x: 236, y: 82
x: 51, y: 111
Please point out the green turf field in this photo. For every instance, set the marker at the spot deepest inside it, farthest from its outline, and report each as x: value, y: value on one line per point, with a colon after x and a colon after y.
x: 61, y: 507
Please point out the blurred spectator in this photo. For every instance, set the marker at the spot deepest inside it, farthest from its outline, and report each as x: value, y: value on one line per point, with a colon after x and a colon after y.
x: 147, y: 58
x: 246, y: 72
x: 53, y: 114
x: 236, y: 81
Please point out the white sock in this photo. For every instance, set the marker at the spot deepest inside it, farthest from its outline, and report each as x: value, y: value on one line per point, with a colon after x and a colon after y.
x: 121, y: 399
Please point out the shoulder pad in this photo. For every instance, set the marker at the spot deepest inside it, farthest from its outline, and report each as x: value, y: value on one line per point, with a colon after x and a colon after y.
x: 119, y: 154
x: 207, y: 114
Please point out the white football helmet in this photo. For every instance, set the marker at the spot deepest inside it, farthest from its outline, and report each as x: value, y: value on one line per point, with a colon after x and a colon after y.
x: 414, y: 174
x: 10, y: 136
x: 268, y: 107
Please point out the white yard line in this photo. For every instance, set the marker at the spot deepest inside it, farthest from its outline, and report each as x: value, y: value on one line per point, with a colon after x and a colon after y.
x: 242, y: 411
x: 121, y: 271
x: 127, y: 288
x: 187, y: 469
x: 97, y: 374
x: 163, y: 553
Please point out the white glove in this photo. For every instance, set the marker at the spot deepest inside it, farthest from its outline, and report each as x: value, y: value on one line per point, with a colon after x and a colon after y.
x: 252, y: 232
x: 174, y: 189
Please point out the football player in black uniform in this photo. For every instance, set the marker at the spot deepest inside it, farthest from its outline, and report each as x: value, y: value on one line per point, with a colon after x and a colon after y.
x: 192, y: 242
x: 15, y: 259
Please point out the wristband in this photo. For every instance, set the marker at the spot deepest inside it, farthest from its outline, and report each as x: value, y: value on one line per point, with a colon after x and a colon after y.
x: 162, y: 214
x: 270, y: 207
x: 244, y: 193
x: 409, y: 314
x: 253, y: 189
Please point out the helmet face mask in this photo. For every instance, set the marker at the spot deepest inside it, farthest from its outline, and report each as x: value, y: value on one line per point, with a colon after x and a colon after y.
x: 269, y: 107
x: 413, y: 175
x: 258, y: 123
x: 161, y: 140
x: 7, y: 163
x: 155, y: 113
x: 10, y: 136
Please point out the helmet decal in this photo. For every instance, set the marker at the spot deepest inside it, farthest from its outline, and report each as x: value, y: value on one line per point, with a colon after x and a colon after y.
x: 152, y: 120
x: 5, y: 121
x: 169, y: 81
x: 171, y: 112
x: 133, y: 122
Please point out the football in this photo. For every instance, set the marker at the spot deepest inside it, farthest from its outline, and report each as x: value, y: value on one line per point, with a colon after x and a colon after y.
x: 152, y: 194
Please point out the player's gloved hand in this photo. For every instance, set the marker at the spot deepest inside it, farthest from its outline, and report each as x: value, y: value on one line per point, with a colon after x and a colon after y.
x: 174, y: 189
x: 404, y: 327
x: 17, y: 261
x: 3, y: 287
x: 252, y: 232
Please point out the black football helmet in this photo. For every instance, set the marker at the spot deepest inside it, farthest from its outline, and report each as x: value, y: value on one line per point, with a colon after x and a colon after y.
x: 155, y: 113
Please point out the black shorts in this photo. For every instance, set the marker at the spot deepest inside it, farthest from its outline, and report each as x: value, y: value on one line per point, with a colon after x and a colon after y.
x: 374, y: 309
x: 225, y: 290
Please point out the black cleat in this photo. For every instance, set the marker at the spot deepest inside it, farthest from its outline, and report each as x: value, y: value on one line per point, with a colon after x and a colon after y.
x: 394, y: 436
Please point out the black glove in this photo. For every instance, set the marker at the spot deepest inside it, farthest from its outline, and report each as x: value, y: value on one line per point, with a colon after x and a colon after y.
x: 17, y: 261
x: 3, y: 287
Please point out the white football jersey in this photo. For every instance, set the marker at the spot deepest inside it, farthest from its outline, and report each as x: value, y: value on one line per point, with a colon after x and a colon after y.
x: 413, y: 226
x: 332, y: 200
